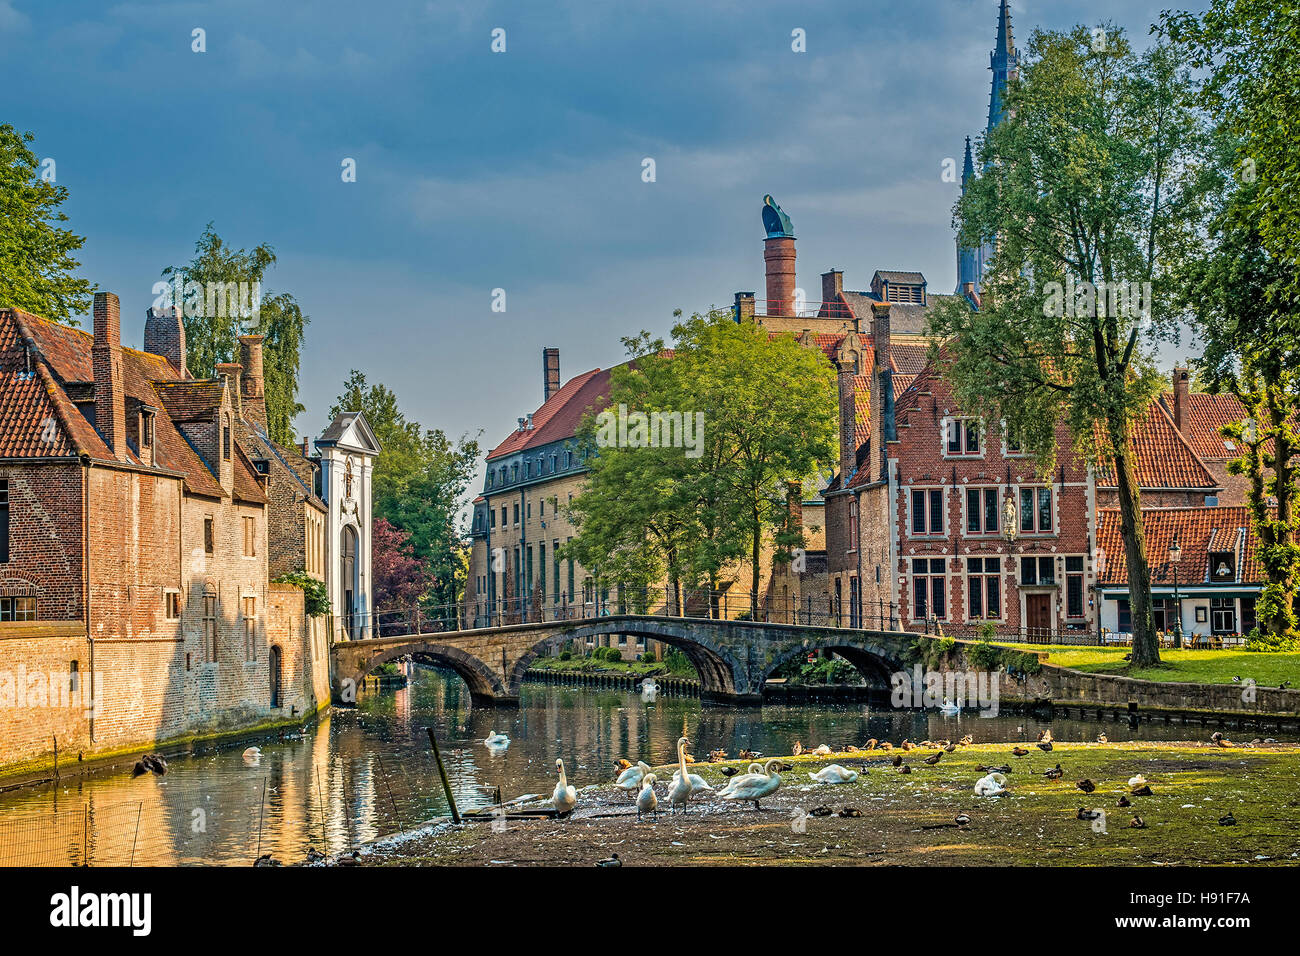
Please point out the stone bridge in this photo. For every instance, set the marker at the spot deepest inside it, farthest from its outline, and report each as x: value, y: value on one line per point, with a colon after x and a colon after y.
x: 732, y: 658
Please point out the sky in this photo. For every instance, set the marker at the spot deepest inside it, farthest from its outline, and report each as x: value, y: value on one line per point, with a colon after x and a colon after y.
x: 519, y: 170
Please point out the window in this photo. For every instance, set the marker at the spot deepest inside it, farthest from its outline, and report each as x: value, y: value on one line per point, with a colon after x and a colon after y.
x: 4, y: 521
x: 225, y: 439
x: 17, y: 608
x: 555, y: 559
x: 984, y: 585
x: 1074, y: 587
x: 250, y: 628
x: 494, y: 517
x: 1037, y: 570
x: 929, y: 590
x: 853, y: 524
x: 209, y: 536
x: 146, y: 429
x: 1036, y: 510
x: 172, y: 604
x: 981, y: 511
x: 1223, y: 615
x: 541, y: 570
x: 74, y: 676
x: 503, y: 516
x: 516, y: 514
x: 210, y: 626
x: 250, y: 537
x: 964, y: 436
x: 528, y: 469
x: 1013, y: 442
x: 1248, y: 620
x: 927, y: 510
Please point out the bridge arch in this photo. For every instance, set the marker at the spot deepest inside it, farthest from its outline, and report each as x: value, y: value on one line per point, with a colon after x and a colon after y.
x: 485, y: 686
x: 874, y: 663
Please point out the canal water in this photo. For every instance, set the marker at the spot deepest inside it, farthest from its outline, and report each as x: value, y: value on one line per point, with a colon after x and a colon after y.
x: 362, y: 774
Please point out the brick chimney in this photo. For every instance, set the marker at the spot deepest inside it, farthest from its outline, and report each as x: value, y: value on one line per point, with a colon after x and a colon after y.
x: 883, y: 428
x: 832, y: 286
x: 110, y: 385
x: 778, y: 257
x: 1182, y: 391
x: 550, y: 373
x: 794, y: 505
x: 228, y: 372
x: 744, y: 307
x: 252, y: 385
x: 164, y: 334
x: 848, y: 423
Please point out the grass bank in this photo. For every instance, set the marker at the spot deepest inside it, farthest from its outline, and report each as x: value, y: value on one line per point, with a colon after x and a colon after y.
x: 1268, y: 669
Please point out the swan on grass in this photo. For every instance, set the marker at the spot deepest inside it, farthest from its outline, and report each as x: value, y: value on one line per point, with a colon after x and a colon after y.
x: 680, y: 790
x: 754, y: 786
x: 630, y: 779
x: 754, y: 768
x: 565, y: 797
x: 991, y: 785
x: 646, y: 801
x: 833, y: 774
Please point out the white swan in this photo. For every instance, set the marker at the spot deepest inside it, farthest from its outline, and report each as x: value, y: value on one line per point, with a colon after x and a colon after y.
x: 754, y: 786
x: 754, y: 768
x: 630, y: 779
x: 565, y: 797
x: 949, y: 709
x: 682, y: 785
x: 833, y: 774
x: 649, y: 690
x: 697, y: 782
x: 646, y: 801
x: 992, y: 785
x: 1138, y: 781
x: 495, y: 739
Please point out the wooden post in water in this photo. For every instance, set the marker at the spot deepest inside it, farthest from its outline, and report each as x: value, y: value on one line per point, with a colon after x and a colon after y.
x: 442, y: 772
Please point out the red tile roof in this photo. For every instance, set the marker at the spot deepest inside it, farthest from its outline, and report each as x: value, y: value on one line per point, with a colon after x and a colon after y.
x: 1203, y: 416
x: 560, y: 416
x: 1200, y: 531
x: 1162, y: 457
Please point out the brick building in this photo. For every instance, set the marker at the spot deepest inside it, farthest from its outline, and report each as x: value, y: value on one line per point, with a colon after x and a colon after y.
x: 134, y: 549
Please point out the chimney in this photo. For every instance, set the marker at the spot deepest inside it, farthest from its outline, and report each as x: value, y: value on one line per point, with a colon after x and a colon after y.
x: 164, y: 334
x: 228, y: 372
x: 883, y: 428
x: 252, y: 386
x: 848, y: 423
x: 550, y: 373
x: 110, y: 387
x: 306, y: 447
x: 973, y: 297
x: 832, y: 286
x: 794, y: 505
x: 778, y: 256
x: 1182, y: 389
x: 744, y: 307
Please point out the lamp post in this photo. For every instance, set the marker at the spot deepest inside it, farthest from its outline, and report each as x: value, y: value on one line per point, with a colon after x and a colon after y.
x: 1175, y: 556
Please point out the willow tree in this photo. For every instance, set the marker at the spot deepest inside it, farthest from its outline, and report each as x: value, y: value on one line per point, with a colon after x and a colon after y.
x: 1081, y: 197
x: 1245, y: 289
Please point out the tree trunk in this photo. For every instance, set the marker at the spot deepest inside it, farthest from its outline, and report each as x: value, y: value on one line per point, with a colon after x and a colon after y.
x: 755, y: 550
x: 1146, y: 646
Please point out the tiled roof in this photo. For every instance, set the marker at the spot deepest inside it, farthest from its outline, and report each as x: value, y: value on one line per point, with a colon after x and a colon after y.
x: 1203, y: 416
x: 190, y: 401
x: 1199, y: 530
x: 559, y: 417
x: 903, y: 278
x: 1161, y: 456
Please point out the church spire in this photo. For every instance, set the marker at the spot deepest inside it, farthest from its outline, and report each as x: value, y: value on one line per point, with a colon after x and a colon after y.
x: 968, y: 168
x: 1004, y: 61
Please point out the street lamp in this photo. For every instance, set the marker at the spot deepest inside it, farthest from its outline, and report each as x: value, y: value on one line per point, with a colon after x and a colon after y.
x: 1175, y: 556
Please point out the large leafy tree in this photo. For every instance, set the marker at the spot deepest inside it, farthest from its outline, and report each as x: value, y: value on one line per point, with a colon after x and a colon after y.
x: 419, y: 481
x: 1245, y: 289
x: 213, y: 324
x: 1083, y: 183
x: 36, y: 264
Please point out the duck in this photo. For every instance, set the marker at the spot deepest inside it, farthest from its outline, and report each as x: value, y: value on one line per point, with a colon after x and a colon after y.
x: 629, y: 780
x: 621, y: 764
x: 565, y: 797
x: 934, y: 759
x: 1137, y: 823
x: 833, y: 774
x: 1227, y: 820
x: 1124, y: 801
x: 154, y: 763
x: 314, y: 855
x: 1085, y: 814
x: 266, y: 860
x: 1102, y: 739
x: 1019, y: 752
x: 717, y: 756
x: 646, y: 801
x: 753, y: 787
x: 1142, y: 792
x: 871, y: 744
x: 906, y: 745
x: 252, y: 755
x: 991, y: 785
x: 611, y: 860
x: 352, y: 859
x: 949, y: 709
x: 966, y: 740
x: 1056, y: 773
x: 682, y: 785
x: 886, y: 746
x: 1045, y: 746
x: 1087, y: 786
x: 897, y: 761
x: 750, y: 755
x: 904, y: 769
x: 822, y: 811
x: 495, y: 739
x: 850, y: 812
x: 729, y: 771
x: 850, y: 748
x: 797, y: 749
x: 1045, y: 736
x: 962, y: 819
x: 1220, y: 740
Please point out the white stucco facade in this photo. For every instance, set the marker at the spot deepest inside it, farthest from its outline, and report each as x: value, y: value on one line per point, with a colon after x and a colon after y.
x: 347, y: 450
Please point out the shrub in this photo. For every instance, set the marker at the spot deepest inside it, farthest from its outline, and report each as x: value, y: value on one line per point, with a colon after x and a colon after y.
x: 1258, y: 641
x: 566, y: 655
x: 984, y: 656
x: 316, y: 599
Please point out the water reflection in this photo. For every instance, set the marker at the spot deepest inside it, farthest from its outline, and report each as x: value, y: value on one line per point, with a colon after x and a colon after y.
x: 364, y: 773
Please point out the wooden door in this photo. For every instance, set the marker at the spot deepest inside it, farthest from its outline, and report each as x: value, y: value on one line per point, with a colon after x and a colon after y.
x: 1038, y: 613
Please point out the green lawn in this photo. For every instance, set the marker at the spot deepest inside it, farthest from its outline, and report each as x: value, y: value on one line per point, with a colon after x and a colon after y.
x: 1191, y: 666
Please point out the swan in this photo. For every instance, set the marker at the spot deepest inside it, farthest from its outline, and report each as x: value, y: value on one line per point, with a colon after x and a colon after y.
x: 252, y: 755
x: 697, y: 782
x: 682, y: 785
x: 646, y: 801
x: 495, y: 739
x: 833, y: 774
x: 565, y: 797
x: 754, y: 786
x: 649, y: 690
x: 949, y: 709
x: 630, y: 779
x: 992, y: 785
x: 754, y: 768
x: 1137, y: 781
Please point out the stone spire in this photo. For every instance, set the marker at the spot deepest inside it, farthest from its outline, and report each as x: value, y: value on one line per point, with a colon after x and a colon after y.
x: 1004, y: 61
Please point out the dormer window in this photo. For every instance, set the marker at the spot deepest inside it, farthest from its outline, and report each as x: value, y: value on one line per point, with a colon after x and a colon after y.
x: 1223, y: 566
x: 146, y: 426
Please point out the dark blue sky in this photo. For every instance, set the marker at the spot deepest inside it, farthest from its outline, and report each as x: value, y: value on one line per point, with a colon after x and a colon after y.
x: 519, y: 170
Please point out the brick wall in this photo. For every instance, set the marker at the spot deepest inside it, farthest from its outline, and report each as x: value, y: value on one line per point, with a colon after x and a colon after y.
x: 45, y: 503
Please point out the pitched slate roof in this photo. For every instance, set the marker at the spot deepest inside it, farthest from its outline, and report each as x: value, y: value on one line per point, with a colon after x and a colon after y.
x: 1199, y: 530
x: 901, y: 278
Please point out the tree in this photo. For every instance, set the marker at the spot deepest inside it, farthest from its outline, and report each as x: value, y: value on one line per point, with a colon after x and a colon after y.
x: 1082, y: 194
x: 419, y: 481
x: 399, y: 577
x: 36, y: 263
x: 220, y: 291
x: 1244, y: 289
